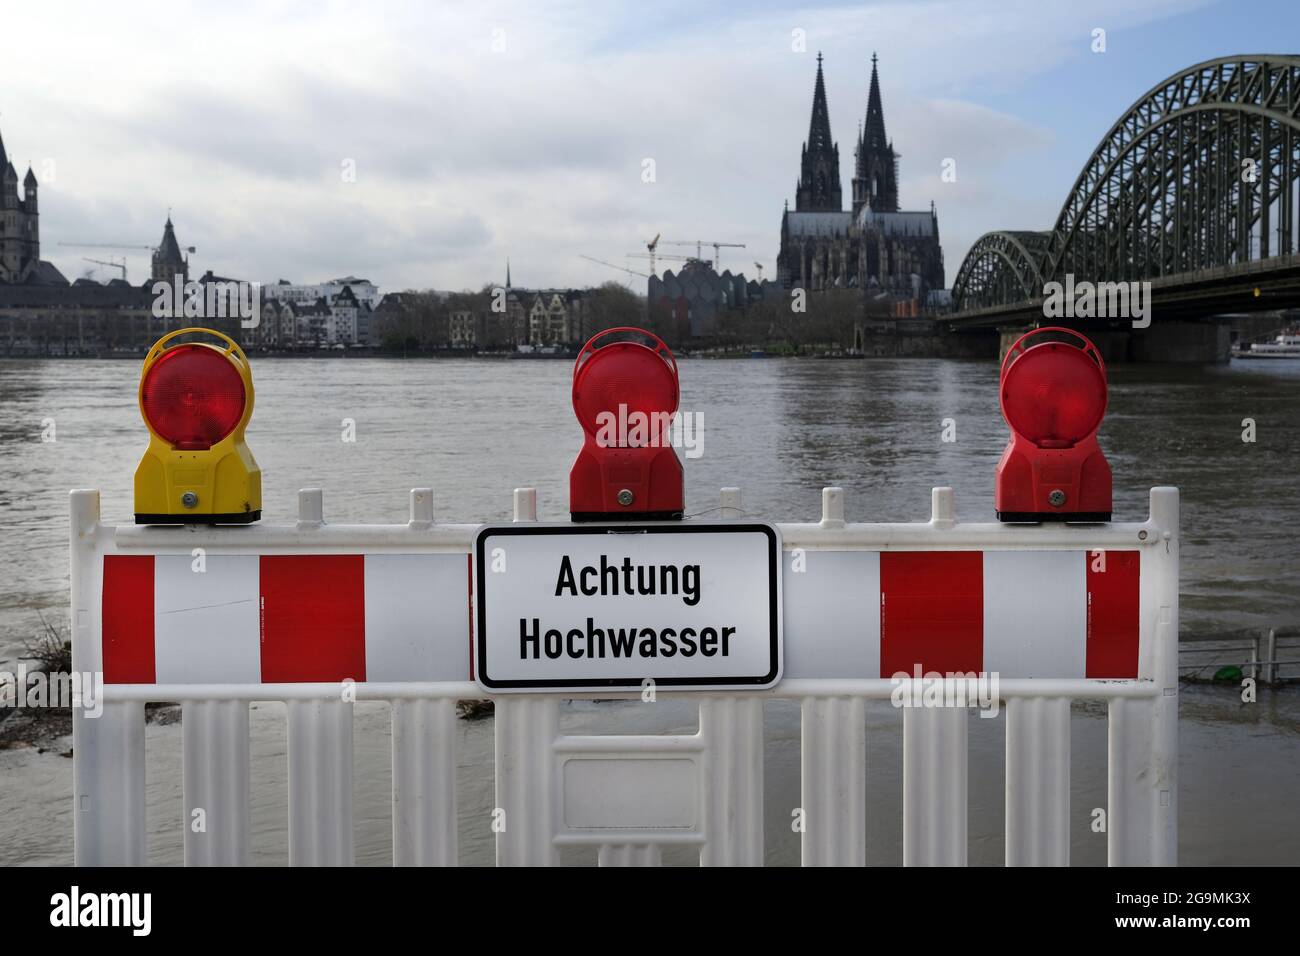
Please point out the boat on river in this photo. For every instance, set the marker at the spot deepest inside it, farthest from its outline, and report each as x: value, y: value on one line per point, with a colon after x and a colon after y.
x: 1286, y: 346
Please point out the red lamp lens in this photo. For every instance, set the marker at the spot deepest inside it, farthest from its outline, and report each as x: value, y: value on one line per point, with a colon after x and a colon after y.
x: 193, y: 396
x: 627, y: 374
x: 1054, y: 394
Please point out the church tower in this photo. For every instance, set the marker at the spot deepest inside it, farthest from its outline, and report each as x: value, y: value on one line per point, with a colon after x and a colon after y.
x: 20, y: 242
x: 875, y: 177
x: 819, y: 174
x: 167, y: 259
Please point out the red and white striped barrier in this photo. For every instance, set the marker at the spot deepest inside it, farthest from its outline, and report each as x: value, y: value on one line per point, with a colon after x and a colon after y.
x: 284, y: 618
x: 251, y: 619
x: 1058, y: 612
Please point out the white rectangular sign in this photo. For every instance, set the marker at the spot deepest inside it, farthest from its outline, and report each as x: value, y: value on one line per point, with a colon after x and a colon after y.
x: 577, y: 607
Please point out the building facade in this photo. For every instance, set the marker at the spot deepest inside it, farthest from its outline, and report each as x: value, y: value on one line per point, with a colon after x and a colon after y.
x: 363, y: 290
x: 324, y: 315
x: 872, y: 246
x: 696, y: 294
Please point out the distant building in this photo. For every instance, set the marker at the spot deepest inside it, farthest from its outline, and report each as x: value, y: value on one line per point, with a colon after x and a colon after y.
x: 462, y: 329
x: 539, y: 318
x: 872, y: 246
x: 363, y: 290
x: 347, y: 319
x: 41, y: 313
x: 553, y: 314
x: 695, y: 295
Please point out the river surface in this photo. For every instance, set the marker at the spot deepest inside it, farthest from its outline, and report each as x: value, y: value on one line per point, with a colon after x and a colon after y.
x: 779, y: 429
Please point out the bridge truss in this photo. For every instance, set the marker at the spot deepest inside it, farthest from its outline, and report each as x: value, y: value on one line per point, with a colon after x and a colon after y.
x: 1201, y: 173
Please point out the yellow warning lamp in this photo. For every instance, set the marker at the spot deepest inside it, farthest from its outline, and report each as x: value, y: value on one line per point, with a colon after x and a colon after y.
x: 197, y: 398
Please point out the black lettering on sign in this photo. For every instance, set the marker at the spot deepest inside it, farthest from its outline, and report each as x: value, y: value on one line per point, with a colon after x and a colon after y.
x: 624, y: 578
x: 596, y: 643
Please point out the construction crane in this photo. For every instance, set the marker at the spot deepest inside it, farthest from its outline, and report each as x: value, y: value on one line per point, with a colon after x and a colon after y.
x: 650, y: 247
x: 114, y: 265
x: 759, y: 267
x: 652, y: 258
x: 119, y: 245
x: 699, y: 245
x: 614, y: 266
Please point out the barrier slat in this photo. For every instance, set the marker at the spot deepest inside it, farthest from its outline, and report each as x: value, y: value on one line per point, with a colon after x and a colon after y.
x: 524, y: 817
x: 424, y: 783
x: 732, y: 728
x: 934, y: 786
x: 1038, y: 782
x: 216, y: 782
x: 320, y: 783
x: 833, y: 784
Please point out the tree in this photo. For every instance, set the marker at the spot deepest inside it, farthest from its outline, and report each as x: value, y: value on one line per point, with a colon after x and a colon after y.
x: 609, y: 306
x: 412, y: 321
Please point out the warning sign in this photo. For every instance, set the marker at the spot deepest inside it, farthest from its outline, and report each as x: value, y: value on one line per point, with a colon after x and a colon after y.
x: 588, y: 606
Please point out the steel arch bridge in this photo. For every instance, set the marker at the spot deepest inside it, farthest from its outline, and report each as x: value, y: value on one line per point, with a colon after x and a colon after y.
x: 1196, y: 188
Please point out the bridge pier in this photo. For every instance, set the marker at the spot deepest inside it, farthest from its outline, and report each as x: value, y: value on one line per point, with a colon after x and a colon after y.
x: 1202, y: 343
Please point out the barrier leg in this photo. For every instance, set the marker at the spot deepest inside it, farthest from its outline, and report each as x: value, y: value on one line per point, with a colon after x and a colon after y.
x: 108, y: 780
x: 216, y: 776
x: 524, y: 817
x: 833, y: 787
x: 1142, y: 782
x: 1038, y: 782
x: 1142, y: 786
x: 424, y: 782
x: 107, y: 750
x: 934, y: 786
x: 732, y: 728
x: 320, y: 783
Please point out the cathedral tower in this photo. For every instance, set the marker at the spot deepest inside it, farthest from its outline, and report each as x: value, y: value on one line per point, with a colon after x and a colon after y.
x: 875, y: 176
x: 819, y: 173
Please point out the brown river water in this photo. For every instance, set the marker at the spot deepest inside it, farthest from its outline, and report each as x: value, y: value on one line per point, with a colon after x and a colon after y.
x: 780, y: 429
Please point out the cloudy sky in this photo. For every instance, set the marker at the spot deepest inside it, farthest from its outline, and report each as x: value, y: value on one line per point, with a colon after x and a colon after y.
x: 421, y: 143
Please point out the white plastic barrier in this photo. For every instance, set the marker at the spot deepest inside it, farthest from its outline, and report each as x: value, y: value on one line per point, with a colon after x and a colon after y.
x: 297, y: 613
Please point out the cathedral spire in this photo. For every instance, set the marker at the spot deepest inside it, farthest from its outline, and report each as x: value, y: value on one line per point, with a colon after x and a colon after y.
x: 819, y: 128
x: 875, y: 175
x: 874, y: 132
x: 819, y: 174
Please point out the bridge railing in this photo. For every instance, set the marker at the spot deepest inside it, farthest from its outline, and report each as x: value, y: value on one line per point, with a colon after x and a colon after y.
x: 216, y: 618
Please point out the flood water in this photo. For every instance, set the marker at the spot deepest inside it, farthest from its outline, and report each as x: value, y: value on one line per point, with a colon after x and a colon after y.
x: 781, y: 430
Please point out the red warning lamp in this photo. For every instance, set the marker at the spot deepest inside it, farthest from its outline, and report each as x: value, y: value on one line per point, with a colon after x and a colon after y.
x: 1053, y: 395
x: 625, y: 394
x: 193, y: 396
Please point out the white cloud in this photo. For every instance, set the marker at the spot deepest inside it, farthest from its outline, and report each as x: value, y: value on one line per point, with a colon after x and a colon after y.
x: 239, y: 115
